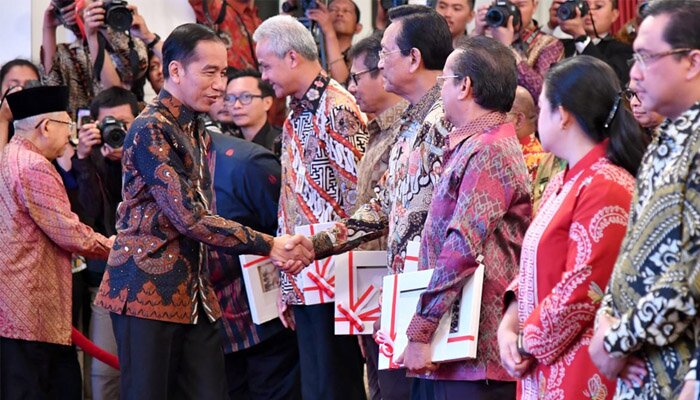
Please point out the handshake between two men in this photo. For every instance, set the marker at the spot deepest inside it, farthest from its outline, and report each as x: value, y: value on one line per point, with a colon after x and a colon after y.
x: 291, y: 253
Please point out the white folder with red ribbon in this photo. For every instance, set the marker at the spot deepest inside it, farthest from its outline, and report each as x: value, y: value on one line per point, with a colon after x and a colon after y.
x: 411, y: 262
x: 358, y: 282
x: 458, y: 330
x: 262, y: 284
x: 317, y: 281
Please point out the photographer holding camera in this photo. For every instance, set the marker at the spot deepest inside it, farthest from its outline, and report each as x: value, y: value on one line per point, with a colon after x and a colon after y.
x: 97, y: 164
x: 589, y: 23
x: 110, y: 49
x: 511, y: 23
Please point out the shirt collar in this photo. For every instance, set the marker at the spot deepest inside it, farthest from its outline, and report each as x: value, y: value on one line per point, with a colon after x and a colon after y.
x: 25, y: 143
x: 682, y: 124
x: 312, y: 97
x: 180, y: 112
x: 482, y: 124
x: 387, y: 118
x: 420, y: 110
x: 589, y: 159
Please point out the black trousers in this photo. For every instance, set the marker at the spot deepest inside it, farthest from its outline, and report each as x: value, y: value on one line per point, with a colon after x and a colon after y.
x: 169, y: 361
x: 331, y: 366
x: 266, y: 371
x: 38, y: 371
x: 392, y: 384
x: 426, y: 389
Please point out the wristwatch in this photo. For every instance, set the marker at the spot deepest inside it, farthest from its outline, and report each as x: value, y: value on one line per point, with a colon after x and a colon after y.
x: 153, y: 42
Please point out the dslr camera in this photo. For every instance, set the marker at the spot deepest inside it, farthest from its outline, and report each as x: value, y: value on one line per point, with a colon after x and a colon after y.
x: 117, y: 15
x: 113, y: 132
x: 497, y: 15
x: 567, y: 10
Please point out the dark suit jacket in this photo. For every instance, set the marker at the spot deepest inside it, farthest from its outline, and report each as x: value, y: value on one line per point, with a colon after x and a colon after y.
x: 610, y: 50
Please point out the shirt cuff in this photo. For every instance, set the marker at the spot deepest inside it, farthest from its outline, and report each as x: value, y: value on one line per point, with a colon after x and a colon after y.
x: 619, y: 341
x: 421, y: 330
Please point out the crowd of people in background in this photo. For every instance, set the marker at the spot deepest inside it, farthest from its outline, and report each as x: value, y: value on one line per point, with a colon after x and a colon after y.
x: 564, y: 157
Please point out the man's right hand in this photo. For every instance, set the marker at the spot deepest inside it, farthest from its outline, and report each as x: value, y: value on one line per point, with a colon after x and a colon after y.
x: 88, y: 136
x: 480, y: 20
x: 297, y: 248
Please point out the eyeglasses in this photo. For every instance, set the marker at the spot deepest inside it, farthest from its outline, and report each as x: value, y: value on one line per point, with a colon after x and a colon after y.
x: 245, y: 98
x: 383, y: 53
x: 71, y: 126
x: 354, y: 77
x: 629, y: 94
x: 643, y: 59
x: 442, y: 78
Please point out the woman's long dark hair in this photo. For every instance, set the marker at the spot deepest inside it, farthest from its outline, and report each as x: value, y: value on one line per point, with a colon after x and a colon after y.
x: 589, y: 89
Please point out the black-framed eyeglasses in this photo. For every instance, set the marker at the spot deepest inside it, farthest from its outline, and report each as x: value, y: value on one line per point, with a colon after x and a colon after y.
x: 245, y: 98
x: 644, y: 59
x: 354, y: 76
x: 629, y: 94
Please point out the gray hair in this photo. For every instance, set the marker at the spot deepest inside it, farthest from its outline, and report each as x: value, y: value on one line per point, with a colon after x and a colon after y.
x: 29, y: 124
x: 284, y: 33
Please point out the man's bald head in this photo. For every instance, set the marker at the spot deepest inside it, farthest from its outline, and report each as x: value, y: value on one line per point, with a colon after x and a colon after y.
x: 523, y: 113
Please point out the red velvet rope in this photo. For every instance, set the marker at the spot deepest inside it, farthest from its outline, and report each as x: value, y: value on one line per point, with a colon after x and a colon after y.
x: 92, y: 349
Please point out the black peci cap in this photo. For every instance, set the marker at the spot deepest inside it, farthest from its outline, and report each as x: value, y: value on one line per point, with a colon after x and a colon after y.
x: 38, y: 100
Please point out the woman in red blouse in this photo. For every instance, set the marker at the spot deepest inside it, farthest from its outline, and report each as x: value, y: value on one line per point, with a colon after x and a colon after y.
x: 570, y: 248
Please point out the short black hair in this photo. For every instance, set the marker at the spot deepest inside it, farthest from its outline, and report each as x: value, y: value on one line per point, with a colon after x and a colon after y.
x: 491, y: 67
x: 265, y: 88
x: 426, y: 30
x: 405, y: 10
x: 369, y: 47
x: 181, y: 43
x: 17, y: 62
x: 113, y: 97
x: 357, y: 9
x: 683, y: 29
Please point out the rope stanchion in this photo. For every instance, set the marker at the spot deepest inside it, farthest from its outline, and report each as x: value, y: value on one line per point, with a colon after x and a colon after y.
x: 91, y: 348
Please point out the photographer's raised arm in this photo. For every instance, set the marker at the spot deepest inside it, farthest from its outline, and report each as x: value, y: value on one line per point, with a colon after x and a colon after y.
x: 94, y: 17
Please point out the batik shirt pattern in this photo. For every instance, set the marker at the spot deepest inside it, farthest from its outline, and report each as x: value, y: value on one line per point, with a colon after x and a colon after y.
x: 654, y: 288
x: 323, y: 140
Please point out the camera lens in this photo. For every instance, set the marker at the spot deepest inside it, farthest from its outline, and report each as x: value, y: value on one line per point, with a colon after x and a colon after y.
x: 495, y: 17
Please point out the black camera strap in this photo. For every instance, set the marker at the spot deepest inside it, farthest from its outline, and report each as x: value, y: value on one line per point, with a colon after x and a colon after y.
x: 103, y: 45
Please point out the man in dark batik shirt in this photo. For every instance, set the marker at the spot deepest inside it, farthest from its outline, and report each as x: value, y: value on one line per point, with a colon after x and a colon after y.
x: 156, y: 284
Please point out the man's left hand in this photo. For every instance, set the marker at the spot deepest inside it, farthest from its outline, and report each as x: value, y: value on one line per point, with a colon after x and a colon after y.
x: 608, y: 366
x: 417, y: 358
x: 111, y: 153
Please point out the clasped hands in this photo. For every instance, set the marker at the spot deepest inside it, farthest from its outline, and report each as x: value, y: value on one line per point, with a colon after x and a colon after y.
x: 292, y: 253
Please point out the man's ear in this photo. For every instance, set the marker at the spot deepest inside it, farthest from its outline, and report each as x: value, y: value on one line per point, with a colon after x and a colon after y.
x: 694, y: 70
x: 465, y: 89
x: 358, y: 27
x: 416, y: 59
x: 176, y: 70
x: 267, y: 103
x: 293, y: 58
